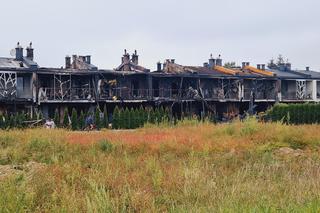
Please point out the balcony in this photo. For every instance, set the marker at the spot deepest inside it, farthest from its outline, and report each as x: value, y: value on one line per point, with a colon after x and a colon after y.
x: 293, y: 96
x: 166, y: 94
x: 66, y: 95
x: 260, y: 95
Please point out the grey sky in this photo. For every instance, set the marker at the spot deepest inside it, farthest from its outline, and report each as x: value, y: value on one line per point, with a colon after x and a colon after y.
x: 239, y: 30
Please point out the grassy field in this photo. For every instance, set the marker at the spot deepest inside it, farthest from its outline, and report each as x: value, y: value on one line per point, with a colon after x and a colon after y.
x: 238, y: 167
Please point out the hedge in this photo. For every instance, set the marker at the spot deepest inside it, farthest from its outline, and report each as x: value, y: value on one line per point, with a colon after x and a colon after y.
x: 307, y: 113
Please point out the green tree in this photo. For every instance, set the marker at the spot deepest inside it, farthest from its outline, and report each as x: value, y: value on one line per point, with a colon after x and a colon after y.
x: 66, y: 122
x: 2, y: 124
x: 145, y: 115
x: 97, y: 119
x: 157, y: 115
x: 167, y: 116
x: 105, y: 117
x: 20, y: 118
x: 116, y: 118
x: 82, y: 121
x: 151, y: 117
x: 318, y: 113
x: 140, y: 117
x: 137, y: 118
x: 6, y: 119
x: 131, y: 118
x: 12, y: 121
x: 74, y: 120
x: 126, y: 119
x: 56, y: 118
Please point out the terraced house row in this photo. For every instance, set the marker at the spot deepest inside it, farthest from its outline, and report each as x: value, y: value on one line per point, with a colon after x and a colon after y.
x: 211, y: 88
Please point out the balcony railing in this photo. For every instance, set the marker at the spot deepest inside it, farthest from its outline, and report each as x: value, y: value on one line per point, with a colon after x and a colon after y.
x: 66, y: 94
x: 293, y: 96
x: 145, y: 94
x: 6, y: 94
x: 260, y: 95
x: 86, y: 94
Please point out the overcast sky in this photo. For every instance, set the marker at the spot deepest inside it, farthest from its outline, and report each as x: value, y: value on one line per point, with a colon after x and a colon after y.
x: 187, y: 30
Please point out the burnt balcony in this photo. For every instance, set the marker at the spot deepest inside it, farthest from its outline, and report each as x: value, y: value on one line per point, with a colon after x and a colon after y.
x: 66, y: 95
x: 260, y: 95
x: 166, y: 94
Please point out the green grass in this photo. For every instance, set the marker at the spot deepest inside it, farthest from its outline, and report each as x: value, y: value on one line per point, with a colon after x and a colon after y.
x: 237, y: 167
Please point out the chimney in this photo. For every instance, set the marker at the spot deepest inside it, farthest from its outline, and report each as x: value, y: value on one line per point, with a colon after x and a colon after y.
x: 74, y: 61
x: 263, y: 66
x: 308, y: 69
x: 88, y: 59
x: 173, y: 61
x: 212, y: 62
x: 288, y: 66
x: 19, y: 52
x: 30, y: 52
x: 247, y: 63
x: 126, y: 57
x: 219, y: 62
x: 68, y: 62
x: 205, y: 64
x: 159, y: 66
x: 135, y: 58
x: 243, y: 65
x: 259, y: 66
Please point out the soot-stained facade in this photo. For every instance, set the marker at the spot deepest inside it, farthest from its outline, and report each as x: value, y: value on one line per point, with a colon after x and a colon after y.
x: 211, y: 88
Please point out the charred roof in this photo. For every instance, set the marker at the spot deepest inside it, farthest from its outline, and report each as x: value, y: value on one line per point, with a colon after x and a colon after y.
x: 131, y: 63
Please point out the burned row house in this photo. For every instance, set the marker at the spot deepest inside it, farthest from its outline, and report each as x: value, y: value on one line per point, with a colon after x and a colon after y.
x: 211, y: 88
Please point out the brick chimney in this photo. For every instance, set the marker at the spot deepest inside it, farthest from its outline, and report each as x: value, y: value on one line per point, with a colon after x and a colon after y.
x: 243, y: 65
x: 159, y: 66
x: 126, y: 57
x: 30, y: 52
x: 19, y: 52
x: 68, y: 62
x: 88, y: 59
x: 212, y: 62
x: 135, y: 58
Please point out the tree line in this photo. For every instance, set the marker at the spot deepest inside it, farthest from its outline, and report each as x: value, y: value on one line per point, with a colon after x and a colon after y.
x: 121, y: 118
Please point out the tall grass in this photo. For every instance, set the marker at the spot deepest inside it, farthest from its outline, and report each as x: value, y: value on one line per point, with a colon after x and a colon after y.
x: 190, y: 167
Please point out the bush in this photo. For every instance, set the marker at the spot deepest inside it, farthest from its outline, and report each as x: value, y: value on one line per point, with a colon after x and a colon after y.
x: 105, y: 146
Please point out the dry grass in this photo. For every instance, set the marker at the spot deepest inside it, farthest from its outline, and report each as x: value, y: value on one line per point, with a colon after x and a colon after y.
x: 238, y: 167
